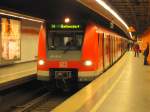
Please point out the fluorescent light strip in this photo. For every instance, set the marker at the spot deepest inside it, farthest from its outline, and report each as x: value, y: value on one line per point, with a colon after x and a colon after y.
x: 103, y: 4
x: 21, y: 17
x: 130, y: 35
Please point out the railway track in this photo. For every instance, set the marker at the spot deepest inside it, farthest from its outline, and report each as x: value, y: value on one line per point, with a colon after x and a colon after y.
x: 20, y: 94
x: 44, y: 103
x: 50, y: 104
x: 33, y: 96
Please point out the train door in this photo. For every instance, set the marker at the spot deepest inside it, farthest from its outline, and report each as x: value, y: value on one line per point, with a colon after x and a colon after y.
x: 111, y: 50
x: 0, y: 43
x: 106, y: 52
x: 100, y: 44
x: 114, y: 59
x: 115, y: 47
x: 122, y: 46
x: 119, y: 47
x: 103, y: 51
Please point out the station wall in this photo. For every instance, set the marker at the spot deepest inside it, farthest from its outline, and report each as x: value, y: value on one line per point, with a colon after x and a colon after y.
x: 18, y: 40
x: 29, y: 40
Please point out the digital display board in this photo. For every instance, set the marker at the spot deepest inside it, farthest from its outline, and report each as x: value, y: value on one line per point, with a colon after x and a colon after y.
x: 65, y: 26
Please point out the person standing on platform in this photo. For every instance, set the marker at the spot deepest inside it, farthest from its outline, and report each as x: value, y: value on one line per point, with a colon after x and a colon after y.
x: 128, y: 46
x: 136, y: 50
x: 146, y: 53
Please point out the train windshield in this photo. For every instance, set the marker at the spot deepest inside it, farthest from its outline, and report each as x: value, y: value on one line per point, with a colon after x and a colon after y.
x: 65, y: 40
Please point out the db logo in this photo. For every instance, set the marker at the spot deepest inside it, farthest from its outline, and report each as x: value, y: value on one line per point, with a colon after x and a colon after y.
x: 63, y: 64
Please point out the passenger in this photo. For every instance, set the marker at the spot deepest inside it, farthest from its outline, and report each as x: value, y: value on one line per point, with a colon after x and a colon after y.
x: 72, y: 43
x: 132, y: 46
x: 136, y: 50
x: 128, y: 46
x: 146, y: 53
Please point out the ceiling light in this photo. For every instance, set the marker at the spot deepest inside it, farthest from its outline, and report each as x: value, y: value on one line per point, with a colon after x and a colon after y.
x: 67, y: 20
x: 21, y: 16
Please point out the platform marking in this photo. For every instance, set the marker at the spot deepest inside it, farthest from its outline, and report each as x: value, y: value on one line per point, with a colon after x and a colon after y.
x: 100, y: 102
x: 13, y: 75
x: 17, y: 72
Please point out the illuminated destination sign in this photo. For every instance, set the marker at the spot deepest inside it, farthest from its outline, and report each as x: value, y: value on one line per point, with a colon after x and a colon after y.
x: 65, y: 26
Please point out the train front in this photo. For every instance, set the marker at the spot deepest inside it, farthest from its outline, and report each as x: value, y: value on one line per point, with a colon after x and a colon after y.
x: 59, y: 56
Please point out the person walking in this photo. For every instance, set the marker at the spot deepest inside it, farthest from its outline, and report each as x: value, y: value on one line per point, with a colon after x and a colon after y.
x: 146, y: 53
x: 136, y: 50
x: 128, y: 46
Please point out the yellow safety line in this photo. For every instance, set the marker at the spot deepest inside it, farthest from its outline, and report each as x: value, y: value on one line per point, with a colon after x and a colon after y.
x: 16, y: 73
x: 13, y: 76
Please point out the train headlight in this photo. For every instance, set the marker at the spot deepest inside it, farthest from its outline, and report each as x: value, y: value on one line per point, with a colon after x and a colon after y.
x: 88, y: 63
x: 41, y: 62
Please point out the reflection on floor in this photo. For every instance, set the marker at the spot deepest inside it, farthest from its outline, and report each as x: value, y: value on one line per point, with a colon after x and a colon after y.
x: 132, y: 92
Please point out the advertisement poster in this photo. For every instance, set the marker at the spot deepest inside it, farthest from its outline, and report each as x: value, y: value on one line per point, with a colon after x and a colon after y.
x: 10, y: 39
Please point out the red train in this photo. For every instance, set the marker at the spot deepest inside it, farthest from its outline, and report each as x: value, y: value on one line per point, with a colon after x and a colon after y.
x: 77, y: 50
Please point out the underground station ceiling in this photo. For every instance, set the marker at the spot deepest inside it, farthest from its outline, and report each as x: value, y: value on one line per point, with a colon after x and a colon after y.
x: 136, y: 13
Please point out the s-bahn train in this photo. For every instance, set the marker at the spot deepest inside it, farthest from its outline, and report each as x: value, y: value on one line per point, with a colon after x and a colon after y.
x: 78, y: 48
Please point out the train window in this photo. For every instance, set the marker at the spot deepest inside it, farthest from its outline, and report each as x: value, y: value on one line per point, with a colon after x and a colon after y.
x: 65, y: 40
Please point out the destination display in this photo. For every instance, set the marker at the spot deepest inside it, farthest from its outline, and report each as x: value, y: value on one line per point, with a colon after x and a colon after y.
x: 65, y: 26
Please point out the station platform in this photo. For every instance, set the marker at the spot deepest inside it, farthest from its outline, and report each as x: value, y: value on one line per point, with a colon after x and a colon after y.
x: 12, y: 75
x: 125, y: 87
